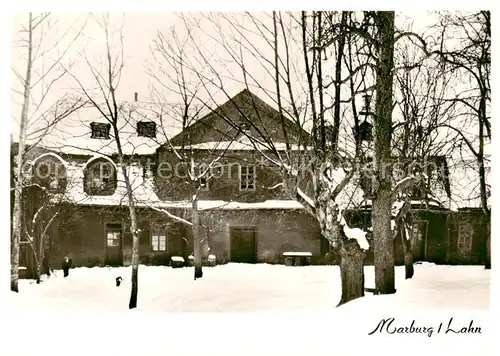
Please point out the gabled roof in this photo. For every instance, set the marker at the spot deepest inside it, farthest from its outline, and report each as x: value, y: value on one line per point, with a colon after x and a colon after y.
x: 246, y: 103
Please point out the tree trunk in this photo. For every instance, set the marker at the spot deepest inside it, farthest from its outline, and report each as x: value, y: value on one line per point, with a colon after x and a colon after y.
x: 487, y: 264
x: 133, y: 226
x: 409, y: 271
x: 38, y: 273
x: 351, y: 271
x: 381, y: 211
x: 135, y: 288
x: 135, y: 251
x: 482, y: 188
x: 198, y: 272
x: 39, y: 259
x: 16, y: 220
x: 133, y: 216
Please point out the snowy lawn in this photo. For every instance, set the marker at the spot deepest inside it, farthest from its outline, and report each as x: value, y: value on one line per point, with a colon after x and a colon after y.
x: 246, y: 288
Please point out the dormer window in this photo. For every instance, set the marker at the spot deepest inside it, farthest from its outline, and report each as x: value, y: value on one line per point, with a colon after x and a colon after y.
x: 146, y: 129
x: 100, y: 130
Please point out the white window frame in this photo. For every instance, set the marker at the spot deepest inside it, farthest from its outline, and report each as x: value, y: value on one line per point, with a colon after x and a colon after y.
x: 244, y: 177
x: 157, y: 237
x: 115, y: 236
x: 424, y: 232
x: 464, y: 242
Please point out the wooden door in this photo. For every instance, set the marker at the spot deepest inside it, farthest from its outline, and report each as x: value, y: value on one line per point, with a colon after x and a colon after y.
x: 243, y: 247
x: 114, y: 255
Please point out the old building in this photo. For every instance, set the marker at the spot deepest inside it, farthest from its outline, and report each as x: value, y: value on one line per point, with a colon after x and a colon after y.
x: 245, y: 213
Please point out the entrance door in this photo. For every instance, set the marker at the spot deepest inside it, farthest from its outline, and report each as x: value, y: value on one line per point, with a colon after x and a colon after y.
x: 26, y: 263
x: 243, y: 247
x: 114, y: 245
x: 418, y: 240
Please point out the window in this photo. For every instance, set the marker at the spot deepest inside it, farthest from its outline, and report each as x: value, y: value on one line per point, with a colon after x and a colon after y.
x: 50, y: 173
x: 100, y: 130
x: 146, y: 129
x: 419, y: 240
x: 418, y: 232
x: 159, y: 237
x: 113, y: 238
x: 247, y: 178
x: 100, y: 178
x: 465, y: 233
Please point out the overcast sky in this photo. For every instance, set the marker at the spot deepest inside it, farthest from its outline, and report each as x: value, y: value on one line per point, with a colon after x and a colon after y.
x: 139, y: 31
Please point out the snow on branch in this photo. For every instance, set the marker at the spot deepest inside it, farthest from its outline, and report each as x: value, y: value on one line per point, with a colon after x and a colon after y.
x: 353, y: 233
x: 49, y: 223
x: 172, y: 216
x: 305, y: 197
x: 288, y: 168
x: 407, y: 233
x: 356, y: 234
x: 403, y: 185
x: 396, y: 207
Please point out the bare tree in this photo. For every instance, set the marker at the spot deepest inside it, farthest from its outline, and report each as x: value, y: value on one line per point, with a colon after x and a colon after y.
x: 38, y: 115
x: 299, y: 153
x: 420, y: 103
x: 107, y: 104
x: 365, y: 43
x: 171, y: 73
x: 470, y: 61
x: 463, y: 46
x: 37, y: 230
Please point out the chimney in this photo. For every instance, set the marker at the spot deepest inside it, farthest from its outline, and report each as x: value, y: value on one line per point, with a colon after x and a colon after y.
x: 136, y: 96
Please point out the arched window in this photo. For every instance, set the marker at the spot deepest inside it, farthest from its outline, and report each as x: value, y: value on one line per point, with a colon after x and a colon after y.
x: 49, y: 172
x: 100, y: 177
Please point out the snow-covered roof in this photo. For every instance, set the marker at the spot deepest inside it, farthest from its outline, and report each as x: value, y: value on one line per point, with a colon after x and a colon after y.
x: 239, y: 145
x: 72, y: 135
x: 233, y: 205
x: 464, y: 183
x: 142, y: 186
x: 145, y: 196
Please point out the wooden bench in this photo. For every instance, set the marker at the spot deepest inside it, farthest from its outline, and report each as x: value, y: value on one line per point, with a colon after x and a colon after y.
x: 177, y: 261
x: 297, y: 258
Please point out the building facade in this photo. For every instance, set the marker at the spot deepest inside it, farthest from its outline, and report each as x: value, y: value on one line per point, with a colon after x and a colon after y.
x: 245, y: 214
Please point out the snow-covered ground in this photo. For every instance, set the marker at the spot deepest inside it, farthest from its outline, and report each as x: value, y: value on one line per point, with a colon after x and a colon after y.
x: 73, y: 314
x: 242, y: 288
